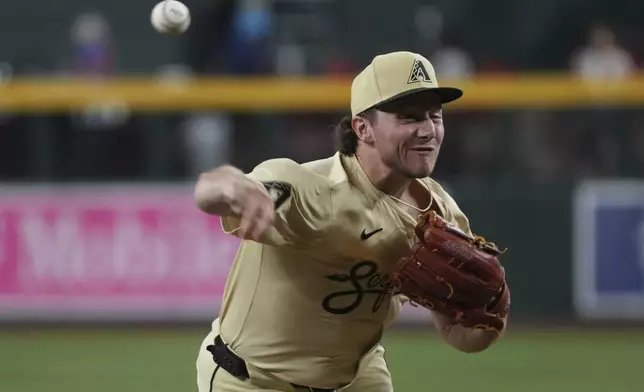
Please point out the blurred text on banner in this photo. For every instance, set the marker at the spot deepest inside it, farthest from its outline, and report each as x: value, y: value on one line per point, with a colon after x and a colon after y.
x: 114, y: 253
x: 110, y: 252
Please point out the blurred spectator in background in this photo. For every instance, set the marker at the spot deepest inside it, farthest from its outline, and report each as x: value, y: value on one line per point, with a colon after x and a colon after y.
x: 428, y: 26
x: 207, y: 135
x: 451, y: 61
x: 602, y: 57
x: 95, y: 144
x: 248, y: 45
x: 233, y: 38
x: 93, y: 49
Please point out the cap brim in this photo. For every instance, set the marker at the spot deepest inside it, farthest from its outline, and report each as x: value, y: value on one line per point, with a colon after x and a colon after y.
x: 444, y: 94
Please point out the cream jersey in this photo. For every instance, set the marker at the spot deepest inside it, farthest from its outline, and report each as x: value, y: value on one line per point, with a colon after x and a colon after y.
x: 312, y: 299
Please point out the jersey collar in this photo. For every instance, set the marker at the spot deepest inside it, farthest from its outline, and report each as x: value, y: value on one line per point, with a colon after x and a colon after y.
x: 358, y: 178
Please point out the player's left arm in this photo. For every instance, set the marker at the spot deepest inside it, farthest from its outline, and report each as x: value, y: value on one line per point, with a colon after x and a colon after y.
x: 469, y: 340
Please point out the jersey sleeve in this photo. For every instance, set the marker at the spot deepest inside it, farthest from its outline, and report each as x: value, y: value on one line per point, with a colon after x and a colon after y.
x: 305, y: 203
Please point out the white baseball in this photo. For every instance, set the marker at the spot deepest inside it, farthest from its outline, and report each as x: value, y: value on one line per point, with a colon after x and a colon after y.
x: 170, y: 17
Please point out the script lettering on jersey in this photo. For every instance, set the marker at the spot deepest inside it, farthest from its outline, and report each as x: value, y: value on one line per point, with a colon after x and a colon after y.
x: 364, y: 279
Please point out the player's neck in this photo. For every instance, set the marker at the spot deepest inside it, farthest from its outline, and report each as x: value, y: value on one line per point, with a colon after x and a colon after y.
x: 383, y: 178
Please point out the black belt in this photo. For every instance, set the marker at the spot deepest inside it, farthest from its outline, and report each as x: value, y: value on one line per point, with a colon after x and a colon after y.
x: 230, y: 362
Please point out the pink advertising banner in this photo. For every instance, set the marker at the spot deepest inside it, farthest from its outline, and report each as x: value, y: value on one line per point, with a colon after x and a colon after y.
x: 113, y: 253
x: 110, y: 252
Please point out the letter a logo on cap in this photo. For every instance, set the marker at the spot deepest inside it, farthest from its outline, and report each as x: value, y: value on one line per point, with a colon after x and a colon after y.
x: 418, y: 73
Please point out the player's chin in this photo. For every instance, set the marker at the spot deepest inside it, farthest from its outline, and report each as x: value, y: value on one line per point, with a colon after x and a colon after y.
x: 419, y: 167
x: 420, y: 170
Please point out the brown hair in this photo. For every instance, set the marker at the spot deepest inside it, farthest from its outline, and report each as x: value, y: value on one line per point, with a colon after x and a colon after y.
x: 346, y: 140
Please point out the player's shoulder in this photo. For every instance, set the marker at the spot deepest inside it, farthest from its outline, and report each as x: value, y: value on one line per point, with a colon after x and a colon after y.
x: 437, y: 189
x: 307, y: 183
x: 307, y: 174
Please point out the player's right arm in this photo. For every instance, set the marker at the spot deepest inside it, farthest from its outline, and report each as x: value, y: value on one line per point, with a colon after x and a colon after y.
x: 227, y: 192
x: 246, y: 202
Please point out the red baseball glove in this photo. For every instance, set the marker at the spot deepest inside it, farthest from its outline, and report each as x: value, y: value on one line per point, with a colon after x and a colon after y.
x: 454, y: 274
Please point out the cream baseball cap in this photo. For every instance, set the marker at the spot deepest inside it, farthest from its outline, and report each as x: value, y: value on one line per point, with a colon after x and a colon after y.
x: 395, y: 75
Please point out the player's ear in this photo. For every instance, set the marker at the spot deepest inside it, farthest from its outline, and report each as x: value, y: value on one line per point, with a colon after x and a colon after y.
x: 363, y: 129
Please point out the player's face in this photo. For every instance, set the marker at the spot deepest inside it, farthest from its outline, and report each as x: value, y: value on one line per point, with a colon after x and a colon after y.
x: 408, y: 137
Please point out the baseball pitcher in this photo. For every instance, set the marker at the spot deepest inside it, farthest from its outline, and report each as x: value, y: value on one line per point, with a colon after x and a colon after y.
x: 332, y: 248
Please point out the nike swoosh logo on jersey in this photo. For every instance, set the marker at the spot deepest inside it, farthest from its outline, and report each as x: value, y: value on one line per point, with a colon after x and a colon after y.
x: 364, y: 235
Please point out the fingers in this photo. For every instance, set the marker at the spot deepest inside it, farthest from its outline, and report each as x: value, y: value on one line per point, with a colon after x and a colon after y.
x: 262, y: 224
x: 257, y: 217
